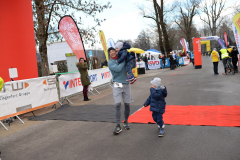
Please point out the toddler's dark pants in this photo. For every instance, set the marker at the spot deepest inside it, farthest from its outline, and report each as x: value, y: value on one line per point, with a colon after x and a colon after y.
x: 158, y: 118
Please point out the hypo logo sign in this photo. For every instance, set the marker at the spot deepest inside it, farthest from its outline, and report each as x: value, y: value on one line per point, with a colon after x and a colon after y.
x: 105, y: 75
x: 153, y: 62
x: 72, y: 83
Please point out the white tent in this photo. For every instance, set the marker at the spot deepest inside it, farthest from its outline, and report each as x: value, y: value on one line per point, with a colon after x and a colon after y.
x: 155, y: 54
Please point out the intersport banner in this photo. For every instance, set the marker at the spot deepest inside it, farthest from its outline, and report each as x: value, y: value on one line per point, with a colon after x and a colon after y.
x: 154, y: 64
x: 19, y: 97
x: 70, y: 32
x: 104, y: 44
x: 226, y: 38
x: 70, y: 84
x: 184, y: 44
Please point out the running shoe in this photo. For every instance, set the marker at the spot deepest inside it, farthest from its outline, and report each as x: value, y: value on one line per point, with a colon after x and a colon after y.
x: 117, y: 130
x: 126, y: 125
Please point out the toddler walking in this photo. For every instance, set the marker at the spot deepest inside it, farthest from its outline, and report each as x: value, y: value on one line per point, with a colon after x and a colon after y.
x: 157, y: 103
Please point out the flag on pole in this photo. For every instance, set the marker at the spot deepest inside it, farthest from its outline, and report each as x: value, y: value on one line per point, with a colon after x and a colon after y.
x: 226, y: 38
x: 236, y: 21
x: 70, y: 32
x: 104, y: 44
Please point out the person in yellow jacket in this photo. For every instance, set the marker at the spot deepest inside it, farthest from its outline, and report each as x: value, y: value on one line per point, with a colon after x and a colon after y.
x: 225, y: 56
x: 1, y: 83
x: 230, y: 55
x: 215, y: 60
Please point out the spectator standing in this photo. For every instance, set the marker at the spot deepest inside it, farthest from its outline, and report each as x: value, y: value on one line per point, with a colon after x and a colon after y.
x: 235, y: 59
x: 215, y: 60
x: 145, y: 59
x: 163, y: 61
x: 83, y: 69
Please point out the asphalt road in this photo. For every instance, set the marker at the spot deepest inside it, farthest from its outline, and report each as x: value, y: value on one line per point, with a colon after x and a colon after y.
x: 74, y: 140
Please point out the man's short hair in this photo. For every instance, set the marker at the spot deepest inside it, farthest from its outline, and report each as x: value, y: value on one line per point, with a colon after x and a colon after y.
x: 111, y: 48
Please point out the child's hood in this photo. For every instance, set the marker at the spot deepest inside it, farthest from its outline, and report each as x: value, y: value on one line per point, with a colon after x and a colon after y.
x: 126, y: 45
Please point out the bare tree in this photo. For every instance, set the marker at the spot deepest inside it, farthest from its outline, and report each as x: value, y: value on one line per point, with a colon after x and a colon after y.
x: 159, y: 9
x: 47, y: 13
x: 237, y: 7
x: 154, y: 16
x: 143, y: 40
x: 159, y: 14
x: 213, y: 10
x: 187, y: 10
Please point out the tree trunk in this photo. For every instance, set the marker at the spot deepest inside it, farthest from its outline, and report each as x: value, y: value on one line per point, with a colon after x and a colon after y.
x: 42, y: 36
x: 159, y: 30
x: 163, y: 27
x: 189, y: 39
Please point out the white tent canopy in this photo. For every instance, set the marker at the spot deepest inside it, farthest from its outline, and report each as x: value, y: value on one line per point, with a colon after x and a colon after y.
x: 155, y: 54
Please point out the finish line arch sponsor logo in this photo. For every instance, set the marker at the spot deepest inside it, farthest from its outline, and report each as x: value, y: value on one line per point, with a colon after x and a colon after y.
x: 72, y: 83
x: 105, y: 75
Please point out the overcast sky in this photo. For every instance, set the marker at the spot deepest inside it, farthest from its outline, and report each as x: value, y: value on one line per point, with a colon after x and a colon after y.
x: 123, y: 20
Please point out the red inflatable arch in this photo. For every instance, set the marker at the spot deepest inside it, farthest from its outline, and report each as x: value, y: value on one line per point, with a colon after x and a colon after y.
x: 17, y: 43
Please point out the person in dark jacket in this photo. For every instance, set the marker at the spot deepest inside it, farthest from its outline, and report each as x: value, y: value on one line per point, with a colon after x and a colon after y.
x: 234, y: 55
x: 171, y: 61
x: 163, y: 61
x: 145, y: 59
x: 124, y: 55
x: 157, y: 103
x: 83, y: 67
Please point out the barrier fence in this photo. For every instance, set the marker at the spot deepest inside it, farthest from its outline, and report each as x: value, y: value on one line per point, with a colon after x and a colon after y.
x: 19, y: 97
x: 70, y: 84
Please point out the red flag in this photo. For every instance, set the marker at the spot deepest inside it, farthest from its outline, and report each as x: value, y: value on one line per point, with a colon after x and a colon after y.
x: 226, y: 38
x: 70, y: 32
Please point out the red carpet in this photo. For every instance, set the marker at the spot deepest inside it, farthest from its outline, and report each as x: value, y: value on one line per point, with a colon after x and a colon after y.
x: 192, y: 115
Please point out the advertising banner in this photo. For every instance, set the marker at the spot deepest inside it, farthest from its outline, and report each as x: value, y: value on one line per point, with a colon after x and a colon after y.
x: 236, y: 22
x: 154, y: 64
x: 70, y: 32
x: 185, y: 60
x: 226, y: 38
x: 184, y: 44
x: 19, y: 97
x: 104, y: 44
x: 140, y: 64
x: 110, y: 43
x: 71, y: 83
x: 237, y: 37
x: 219, y: 40
x: 197, y: 52
x: 167, y: 63
x: 181, y: 62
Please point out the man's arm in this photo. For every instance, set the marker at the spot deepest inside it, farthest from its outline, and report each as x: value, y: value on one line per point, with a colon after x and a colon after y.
x: 116, y: 67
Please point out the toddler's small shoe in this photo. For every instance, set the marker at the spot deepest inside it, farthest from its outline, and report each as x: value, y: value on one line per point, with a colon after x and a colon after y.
x: 130, y: 77
x: 133, y: 81
x: 161, y: 132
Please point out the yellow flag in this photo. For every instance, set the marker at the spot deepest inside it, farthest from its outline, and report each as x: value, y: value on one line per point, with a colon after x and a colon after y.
x: 104, y: 44
x: 1, y: 83
x: 236, y: 22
